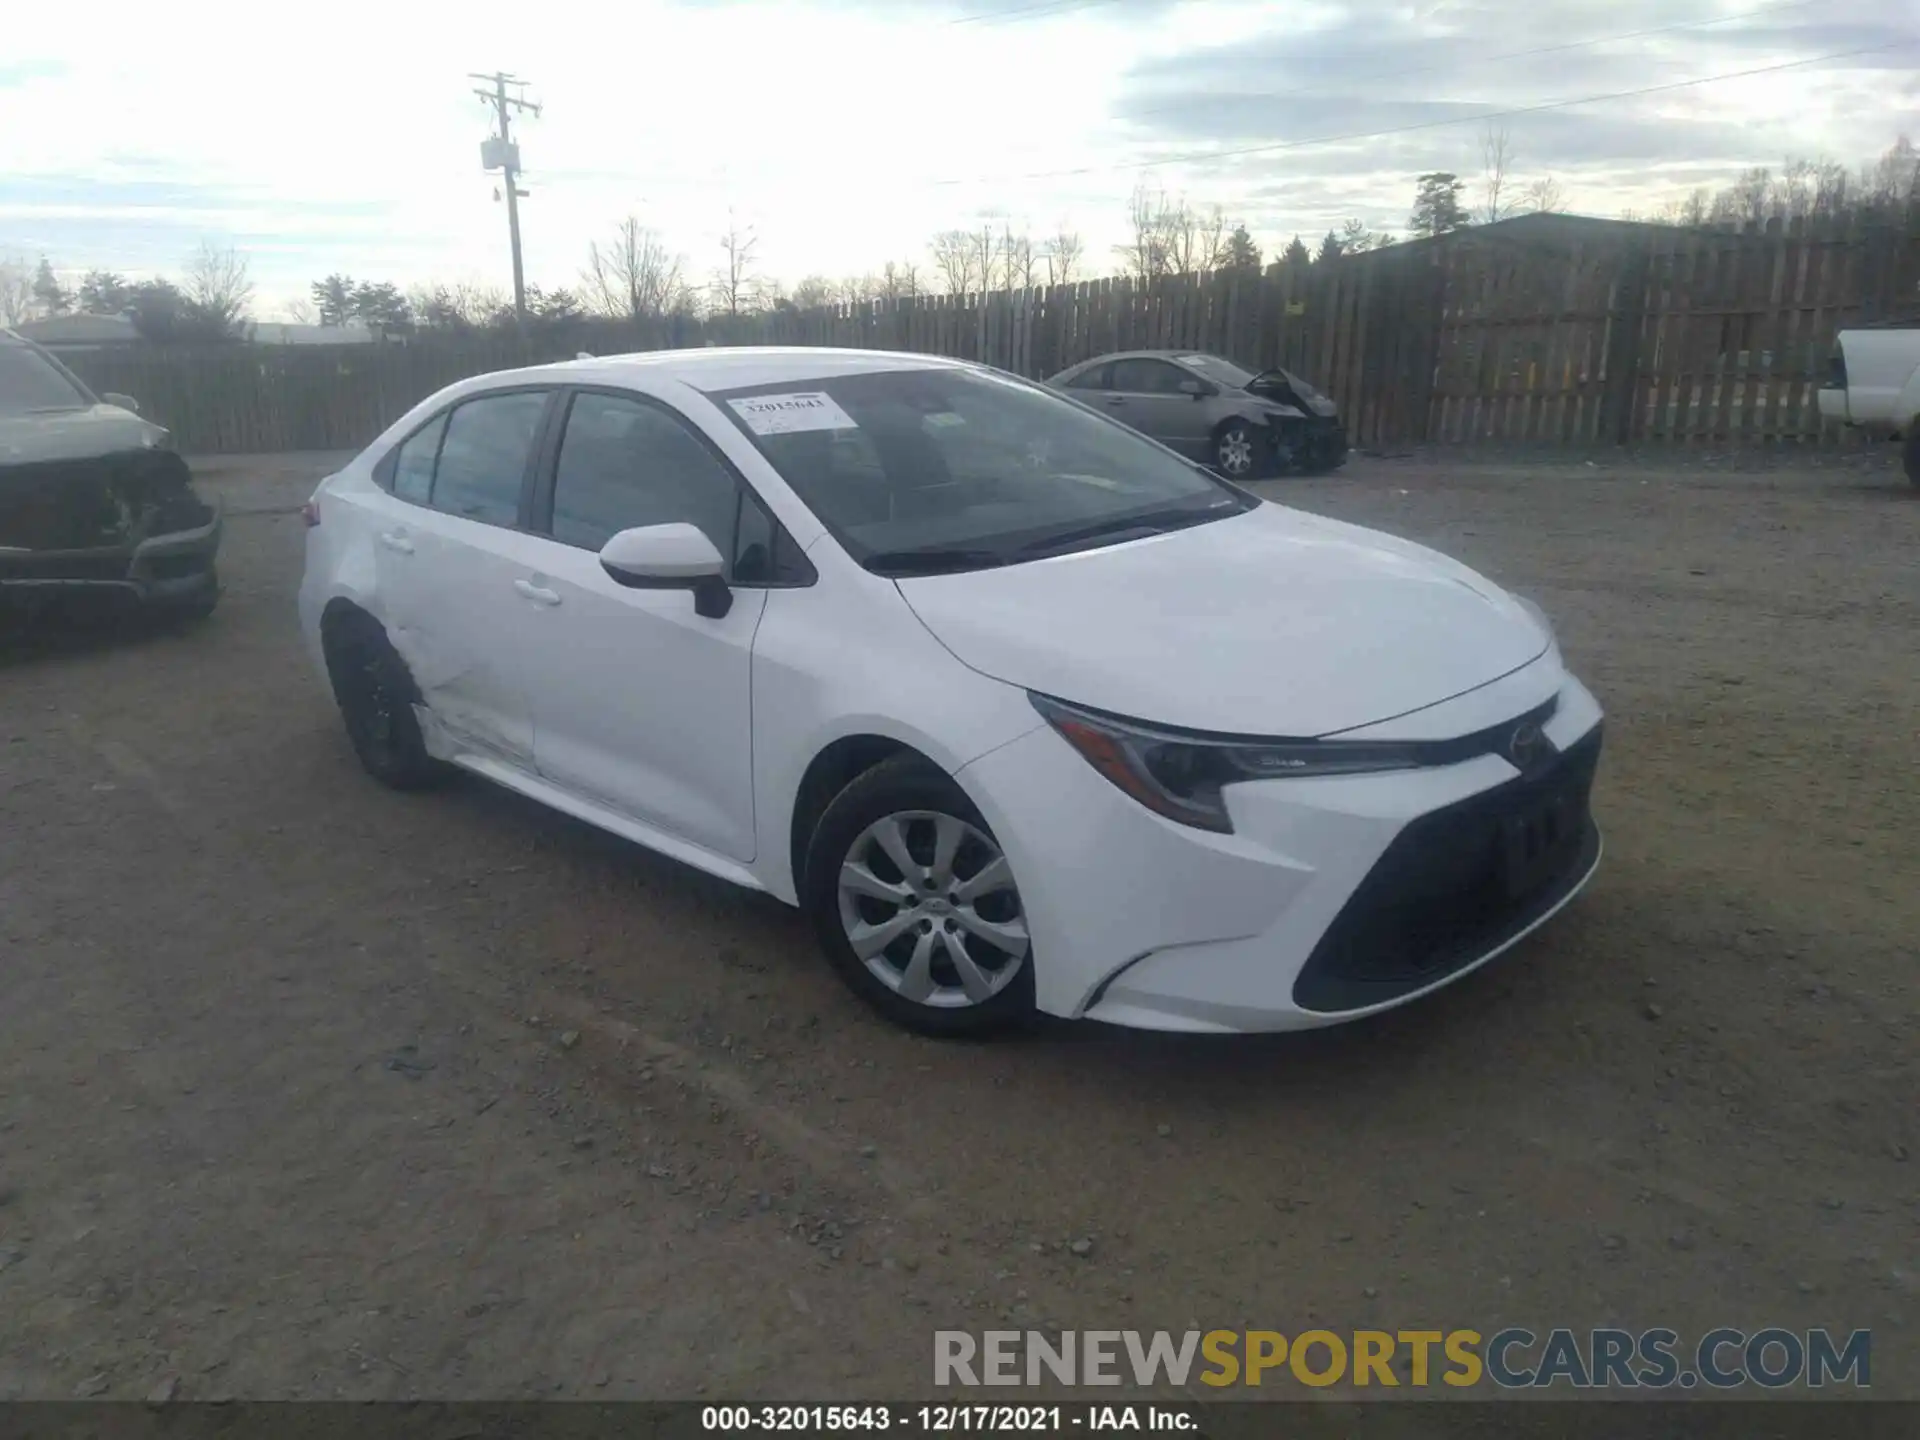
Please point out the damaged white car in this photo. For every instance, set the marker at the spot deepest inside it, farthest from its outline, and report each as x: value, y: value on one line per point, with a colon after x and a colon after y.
x: 1028, y: 712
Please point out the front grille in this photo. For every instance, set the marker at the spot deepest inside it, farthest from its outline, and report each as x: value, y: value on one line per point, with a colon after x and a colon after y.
x: 1442, y: 895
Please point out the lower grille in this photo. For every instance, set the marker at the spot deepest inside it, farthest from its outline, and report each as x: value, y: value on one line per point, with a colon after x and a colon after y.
x: 1457, y: 883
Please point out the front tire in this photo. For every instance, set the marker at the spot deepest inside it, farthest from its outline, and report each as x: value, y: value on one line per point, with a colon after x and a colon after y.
x: 376, y: 695
x: 915, y: 904
x: 1238, y: 450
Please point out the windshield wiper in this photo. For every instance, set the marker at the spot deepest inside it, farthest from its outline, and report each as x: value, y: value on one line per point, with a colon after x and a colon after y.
x: 935, y: 561
x: 1152, y: 522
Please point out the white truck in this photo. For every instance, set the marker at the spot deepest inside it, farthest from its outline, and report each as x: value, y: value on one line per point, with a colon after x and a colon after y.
x: 1874, y: 384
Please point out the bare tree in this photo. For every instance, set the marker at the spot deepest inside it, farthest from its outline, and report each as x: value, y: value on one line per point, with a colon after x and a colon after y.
x: 953, y: 257
x: 300, y: 311
x: 1496, y: 158
x: 1144, y: 253
x: 218, y: 288
x: 900, y: 281
x: 986, y: 252
x: 16, y: 292
x: 735, y: 288
x: 1748, y: 198
x: 1543, y: 196
x: 1195, y: 241
x: 857, y: 289
x: 1893, y: 179
x: 1020, y: 260
x: 634, y: 276
x: 1062, y: 253
x: 812, y: 293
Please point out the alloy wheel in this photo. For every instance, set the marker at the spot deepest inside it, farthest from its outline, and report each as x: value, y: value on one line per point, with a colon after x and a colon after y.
x: 1236, y: 452
x: 928, y: 904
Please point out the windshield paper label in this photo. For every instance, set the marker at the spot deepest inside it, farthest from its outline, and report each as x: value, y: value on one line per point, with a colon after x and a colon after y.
x: 789, y: 414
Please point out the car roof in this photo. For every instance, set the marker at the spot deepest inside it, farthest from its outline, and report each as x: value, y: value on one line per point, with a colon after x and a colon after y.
x: 734, y: 367
x: 1175, y: 356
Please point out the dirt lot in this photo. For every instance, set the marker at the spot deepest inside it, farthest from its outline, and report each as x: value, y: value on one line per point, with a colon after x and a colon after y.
x: 311, y: 1090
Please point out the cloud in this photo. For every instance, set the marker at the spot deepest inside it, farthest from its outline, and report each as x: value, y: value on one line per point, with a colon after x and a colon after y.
x: 829, y: 125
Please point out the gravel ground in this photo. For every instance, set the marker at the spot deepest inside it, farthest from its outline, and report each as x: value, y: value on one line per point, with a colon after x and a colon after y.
x: 311, y: 1090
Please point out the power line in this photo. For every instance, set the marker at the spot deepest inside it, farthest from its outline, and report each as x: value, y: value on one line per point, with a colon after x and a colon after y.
x: 1203, y: 156
x: 1505, y: 55
x: 502, y: 148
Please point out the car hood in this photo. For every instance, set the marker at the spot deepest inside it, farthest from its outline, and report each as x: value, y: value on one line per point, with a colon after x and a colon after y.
x: 73, y: 434
x: 1272, y: 622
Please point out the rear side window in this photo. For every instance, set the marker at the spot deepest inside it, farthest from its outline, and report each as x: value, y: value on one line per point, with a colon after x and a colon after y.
x: 1091, y: 379
x: 483, y: 458
x: 413, y: 461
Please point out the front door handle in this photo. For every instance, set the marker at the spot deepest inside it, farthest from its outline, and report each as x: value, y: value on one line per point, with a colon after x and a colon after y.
x: 396, y: 540
x: 539, y: 594
x: 1115, y: 400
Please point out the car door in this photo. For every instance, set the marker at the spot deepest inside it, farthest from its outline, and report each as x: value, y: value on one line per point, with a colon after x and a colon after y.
x: 462, y: 548
x: 1146, y: 394
x: 642, y: 705
x: 405, y: 481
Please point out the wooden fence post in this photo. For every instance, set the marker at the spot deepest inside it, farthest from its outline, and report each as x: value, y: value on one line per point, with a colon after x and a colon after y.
x: 1626, y: 317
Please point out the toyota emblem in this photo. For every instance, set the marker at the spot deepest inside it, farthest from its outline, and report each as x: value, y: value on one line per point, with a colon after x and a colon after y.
x: 1526, y: 744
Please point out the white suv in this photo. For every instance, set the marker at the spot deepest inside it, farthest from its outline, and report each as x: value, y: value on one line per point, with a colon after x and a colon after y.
x: 1028, y: 712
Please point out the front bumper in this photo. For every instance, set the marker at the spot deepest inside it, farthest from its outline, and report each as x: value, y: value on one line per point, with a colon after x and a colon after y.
x: 1318, y: 442
x: 1335, y: 897
x: 174, y: 568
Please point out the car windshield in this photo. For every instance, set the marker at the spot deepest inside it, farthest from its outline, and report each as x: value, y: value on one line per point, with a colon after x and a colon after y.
x: 921, y: 470
x: 30, y: 384
x: 1221, y: 372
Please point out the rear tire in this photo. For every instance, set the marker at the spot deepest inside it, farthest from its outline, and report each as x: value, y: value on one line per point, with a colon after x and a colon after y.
x: 376, y: 695
x: 1910, y: 452
x: 944, y: 935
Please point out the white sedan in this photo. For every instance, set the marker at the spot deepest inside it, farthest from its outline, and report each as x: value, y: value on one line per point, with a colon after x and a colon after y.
x: 1027, y: 712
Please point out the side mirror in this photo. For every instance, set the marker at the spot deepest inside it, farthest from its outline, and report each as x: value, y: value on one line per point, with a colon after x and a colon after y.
x: 1198, y: 389
x: 125, y: 402
x: 670, y: 557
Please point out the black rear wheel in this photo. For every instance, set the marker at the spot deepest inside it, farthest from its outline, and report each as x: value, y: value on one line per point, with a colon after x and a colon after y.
x: 1910, y: 453
x: 376, y: 695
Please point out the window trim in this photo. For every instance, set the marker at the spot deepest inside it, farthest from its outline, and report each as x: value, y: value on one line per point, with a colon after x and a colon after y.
x: 540, y: 498
x: 385, y: 470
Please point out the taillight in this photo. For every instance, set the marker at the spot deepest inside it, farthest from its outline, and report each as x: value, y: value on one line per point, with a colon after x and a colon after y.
x: 310, y: 512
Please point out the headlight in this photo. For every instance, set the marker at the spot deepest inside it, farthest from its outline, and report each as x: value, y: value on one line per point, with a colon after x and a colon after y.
x: 1181, y: 776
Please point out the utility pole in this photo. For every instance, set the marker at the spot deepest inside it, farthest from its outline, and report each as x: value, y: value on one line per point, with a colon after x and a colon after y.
x: 500, y: 153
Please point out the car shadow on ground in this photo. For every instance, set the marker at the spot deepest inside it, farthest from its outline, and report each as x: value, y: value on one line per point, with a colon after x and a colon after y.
x: 1088, y: 1056
x: 50, y: 639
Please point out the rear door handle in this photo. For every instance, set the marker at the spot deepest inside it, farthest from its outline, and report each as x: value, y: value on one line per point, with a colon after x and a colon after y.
x: 395, y: 540
x: 539, y: 594
x: 1115, y: 400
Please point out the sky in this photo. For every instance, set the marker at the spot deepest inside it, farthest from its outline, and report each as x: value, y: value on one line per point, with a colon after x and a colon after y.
x: 845, y: 133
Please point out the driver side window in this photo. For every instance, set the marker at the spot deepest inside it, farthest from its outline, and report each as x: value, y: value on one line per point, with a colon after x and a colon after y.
x: 625, y: 463
x: 1147, y: 377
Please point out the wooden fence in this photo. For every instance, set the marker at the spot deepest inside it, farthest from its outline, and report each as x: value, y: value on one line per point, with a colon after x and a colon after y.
x: 1542, y: 330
